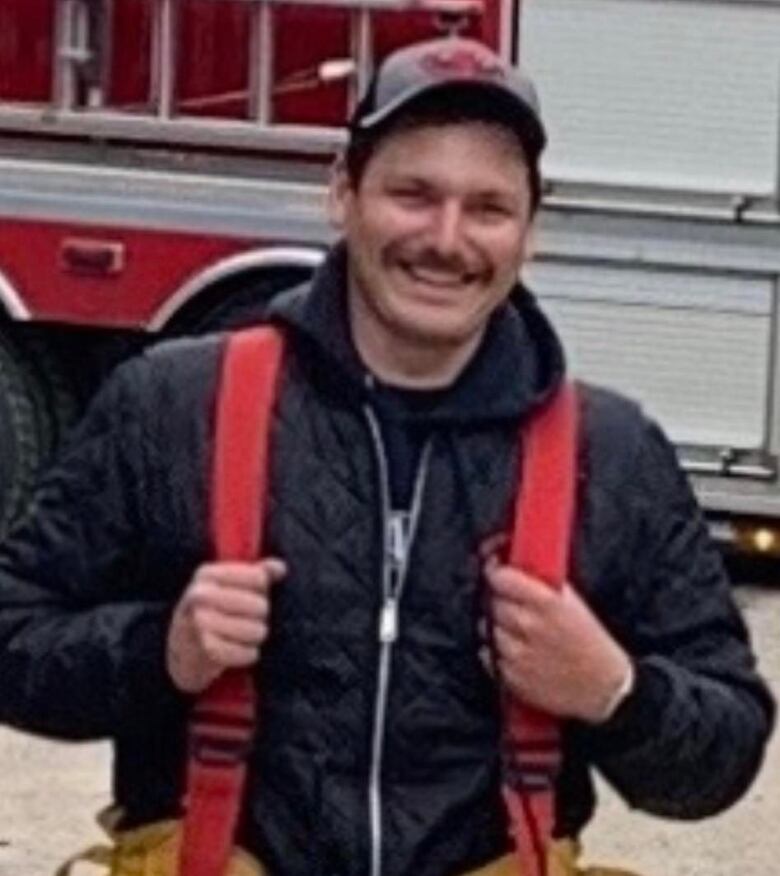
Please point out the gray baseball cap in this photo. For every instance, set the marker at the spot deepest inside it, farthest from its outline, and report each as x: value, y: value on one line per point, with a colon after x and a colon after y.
x: 460, y: 66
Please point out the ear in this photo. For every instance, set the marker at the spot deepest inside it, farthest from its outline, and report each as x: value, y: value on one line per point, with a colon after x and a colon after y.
x: 339, y: 192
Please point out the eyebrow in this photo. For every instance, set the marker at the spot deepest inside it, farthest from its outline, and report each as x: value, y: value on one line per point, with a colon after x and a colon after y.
x: 409, y: 179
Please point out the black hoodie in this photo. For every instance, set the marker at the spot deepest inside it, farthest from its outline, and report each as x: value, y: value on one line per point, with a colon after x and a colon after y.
x: 507, y: 378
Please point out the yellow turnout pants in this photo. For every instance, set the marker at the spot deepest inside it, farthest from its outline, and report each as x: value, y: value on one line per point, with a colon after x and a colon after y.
x: 154, y: 850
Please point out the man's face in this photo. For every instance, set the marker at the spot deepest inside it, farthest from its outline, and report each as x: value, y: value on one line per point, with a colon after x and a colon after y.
x: 436, y: 230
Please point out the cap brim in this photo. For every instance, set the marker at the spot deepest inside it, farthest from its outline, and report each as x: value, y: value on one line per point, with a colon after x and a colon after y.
x: 504, y: 106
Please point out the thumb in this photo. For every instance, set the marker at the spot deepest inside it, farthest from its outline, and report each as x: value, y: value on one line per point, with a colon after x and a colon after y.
x: 274, y: 568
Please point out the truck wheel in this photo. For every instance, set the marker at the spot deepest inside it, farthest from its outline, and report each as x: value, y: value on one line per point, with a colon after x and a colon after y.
x: 21, y: 449
x: 50, y: 367
x: 37, y: 405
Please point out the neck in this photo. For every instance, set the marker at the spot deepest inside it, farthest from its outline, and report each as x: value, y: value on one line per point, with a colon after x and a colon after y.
x: 406, y: 362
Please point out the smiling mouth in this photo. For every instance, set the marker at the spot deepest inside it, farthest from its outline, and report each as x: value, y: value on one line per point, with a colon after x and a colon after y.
x: 438, y: 279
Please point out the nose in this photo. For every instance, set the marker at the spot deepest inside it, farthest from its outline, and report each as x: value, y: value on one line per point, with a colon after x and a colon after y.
x: 447, y: 228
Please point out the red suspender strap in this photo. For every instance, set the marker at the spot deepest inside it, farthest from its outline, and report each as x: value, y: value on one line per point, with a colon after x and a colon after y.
x: 224, y: 717
x: 540, y: 545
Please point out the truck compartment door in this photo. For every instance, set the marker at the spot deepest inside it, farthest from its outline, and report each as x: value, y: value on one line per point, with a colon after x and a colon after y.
x: 678, y: 95
x: 696, y: 348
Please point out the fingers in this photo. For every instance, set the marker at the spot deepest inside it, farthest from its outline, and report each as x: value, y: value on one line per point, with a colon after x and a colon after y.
x: 236, y: 588
x: 208, y: 595
x: 507, y: 582
x: 248, y: 576
x: 515, y: 614
x: 513, y: 619
x: 485, y: 652
x: 223, y: 653
x: 551, y: 650
x: 237, y: 630
x: 221, y: 621
x: 520, y: 603
x: 509, y: 648
x: 493, y: 547
x: 229, y: 604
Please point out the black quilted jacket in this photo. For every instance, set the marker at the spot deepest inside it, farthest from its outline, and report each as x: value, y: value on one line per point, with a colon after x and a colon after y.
x: 88, y: 582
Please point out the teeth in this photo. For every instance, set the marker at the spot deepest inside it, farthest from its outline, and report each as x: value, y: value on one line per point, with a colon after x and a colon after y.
x: 436, y: 279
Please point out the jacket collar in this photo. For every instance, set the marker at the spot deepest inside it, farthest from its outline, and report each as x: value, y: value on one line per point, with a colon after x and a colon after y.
x: 518, y: 365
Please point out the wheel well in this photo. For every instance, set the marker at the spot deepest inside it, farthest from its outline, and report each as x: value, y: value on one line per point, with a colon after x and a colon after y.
x: 231, y: 291
x: 236, y: 300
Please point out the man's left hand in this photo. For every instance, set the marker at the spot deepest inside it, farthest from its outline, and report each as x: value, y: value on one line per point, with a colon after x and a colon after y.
x: 552, y: 651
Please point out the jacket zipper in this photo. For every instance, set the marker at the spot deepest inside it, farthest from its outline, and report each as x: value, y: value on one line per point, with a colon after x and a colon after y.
x: 395, y: 565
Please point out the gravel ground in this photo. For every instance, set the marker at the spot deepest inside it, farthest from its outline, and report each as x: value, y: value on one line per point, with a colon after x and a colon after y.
x: 50, y: 792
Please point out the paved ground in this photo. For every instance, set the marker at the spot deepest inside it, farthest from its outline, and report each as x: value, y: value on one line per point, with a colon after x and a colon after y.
x: 49, y: 793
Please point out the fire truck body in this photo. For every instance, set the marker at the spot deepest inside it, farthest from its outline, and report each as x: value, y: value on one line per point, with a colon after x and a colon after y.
x: 200, y: 128
x: 129, y: 248
x: 157, y: 157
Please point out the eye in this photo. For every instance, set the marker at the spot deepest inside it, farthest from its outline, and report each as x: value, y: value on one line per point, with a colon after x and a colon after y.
x: 409, y: 195
x: 493, y: 211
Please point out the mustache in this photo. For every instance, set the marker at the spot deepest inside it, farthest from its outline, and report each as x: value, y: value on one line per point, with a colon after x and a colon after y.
x: 429, y: 258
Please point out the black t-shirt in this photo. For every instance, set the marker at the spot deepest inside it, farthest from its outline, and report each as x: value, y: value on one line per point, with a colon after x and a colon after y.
x: 405, y: 431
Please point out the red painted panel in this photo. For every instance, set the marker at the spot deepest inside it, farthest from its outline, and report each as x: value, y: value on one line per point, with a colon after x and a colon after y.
x: 216, y: 36
x: 212, y: 71
x: 154, y: 265
x: 131, y: 39
x: 26, y: 37
x: 309, y: 37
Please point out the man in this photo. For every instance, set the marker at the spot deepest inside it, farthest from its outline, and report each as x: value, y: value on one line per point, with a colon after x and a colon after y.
x: 411, y: 361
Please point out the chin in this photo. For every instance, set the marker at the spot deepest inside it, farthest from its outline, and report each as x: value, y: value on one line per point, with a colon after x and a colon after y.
x: 435, y: 328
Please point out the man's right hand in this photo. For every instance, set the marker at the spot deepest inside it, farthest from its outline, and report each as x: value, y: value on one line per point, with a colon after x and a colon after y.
x: 221, y: 621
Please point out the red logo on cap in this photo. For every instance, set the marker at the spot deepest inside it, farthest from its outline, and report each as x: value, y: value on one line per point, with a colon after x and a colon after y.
x: 462, y: 62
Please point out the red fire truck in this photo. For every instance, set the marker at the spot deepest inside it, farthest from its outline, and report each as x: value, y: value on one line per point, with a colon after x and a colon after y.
x: 158, y: 160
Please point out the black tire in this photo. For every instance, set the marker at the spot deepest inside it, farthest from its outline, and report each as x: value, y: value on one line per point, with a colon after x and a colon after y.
x: 37, y: 406
x: 50, y: 376
x: 22, y: 444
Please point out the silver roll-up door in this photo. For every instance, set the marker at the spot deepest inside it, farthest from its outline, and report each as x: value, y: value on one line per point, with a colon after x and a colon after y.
x: 694, y: 347
x: 680, y: 94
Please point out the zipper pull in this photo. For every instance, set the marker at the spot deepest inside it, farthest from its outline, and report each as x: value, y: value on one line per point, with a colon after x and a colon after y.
x: 398, y: 536
x: 388, y: 621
